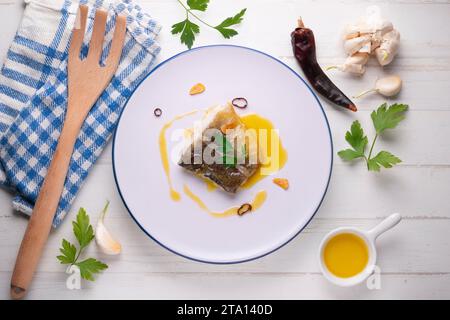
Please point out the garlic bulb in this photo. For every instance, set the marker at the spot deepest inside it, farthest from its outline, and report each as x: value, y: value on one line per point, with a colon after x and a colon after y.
x: 388, y: 86
x: 105, y: 241
x: 371, y: 34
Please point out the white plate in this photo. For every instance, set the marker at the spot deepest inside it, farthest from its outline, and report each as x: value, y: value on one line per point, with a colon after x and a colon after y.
x: 274, y: 91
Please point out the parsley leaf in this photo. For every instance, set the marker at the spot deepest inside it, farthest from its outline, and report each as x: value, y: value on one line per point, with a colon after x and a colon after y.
x: 69, y: 252
x: 82, y: 229
x: 90, y: 266
x: 383, y: 158
x: 200, y: 5
x: 84, y: 233
x: 188, y: 30
x: 356, y: 138
x: 178, y: 27
x: 226, y: 149
x: 223, y: 27
x: 388, y: 118
x: 383, y: 118
x: 349, y: 154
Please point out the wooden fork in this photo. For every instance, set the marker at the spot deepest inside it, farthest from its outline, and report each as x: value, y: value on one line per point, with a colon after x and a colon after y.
x: 86, y: 81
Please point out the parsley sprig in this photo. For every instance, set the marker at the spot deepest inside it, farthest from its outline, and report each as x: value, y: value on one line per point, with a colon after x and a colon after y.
x: 70, y: 254
x: 383, y: 118
x: 189, y: 29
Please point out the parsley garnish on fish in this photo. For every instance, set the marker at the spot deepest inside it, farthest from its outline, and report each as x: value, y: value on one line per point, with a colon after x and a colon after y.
x: 226, y: 149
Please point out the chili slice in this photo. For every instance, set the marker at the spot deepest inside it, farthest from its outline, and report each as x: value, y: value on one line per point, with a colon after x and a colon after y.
x: 246, y: 207
x: 240, y: 103
x: 157, y: 112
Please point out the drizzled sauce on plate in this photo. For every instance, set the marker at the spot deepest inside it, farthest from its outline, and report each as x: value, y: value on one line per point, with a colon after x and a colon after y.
x: 257, y: 202
x: 174, y: 195
x: 274, y: 163
x: 270, y: 147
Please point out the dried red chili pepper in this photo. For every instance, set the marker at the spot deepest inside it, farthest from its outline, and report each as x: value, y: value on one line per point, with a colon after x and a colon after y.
x: 304, y: 47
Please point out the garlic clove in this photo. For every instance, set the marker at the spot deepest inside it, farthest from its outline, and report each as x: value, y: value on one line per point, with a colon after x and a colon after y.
x: 352, y: 46
x: 358, y: 58
x: 349, y: 36
x: 105, y: 241
x: 351, y: 31
x: 356, y: 69
x: 388, y: 48
x: 391, y: 38
x: 389, y: 86
x: 354, y: 64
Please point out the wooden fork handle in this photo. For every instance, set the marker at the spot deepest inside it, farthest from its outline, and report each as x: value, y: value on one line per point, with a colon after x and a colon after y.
x: 44, y: 210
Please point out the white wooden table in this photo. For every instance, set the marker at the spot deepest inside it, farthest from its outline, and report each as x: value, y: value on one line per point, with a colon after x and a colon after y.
x: 414, y: 258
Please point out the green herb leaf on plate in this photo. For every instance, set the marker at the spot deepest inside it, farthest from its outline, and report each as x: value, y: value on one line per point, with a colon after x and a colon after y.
x: 226, y: 149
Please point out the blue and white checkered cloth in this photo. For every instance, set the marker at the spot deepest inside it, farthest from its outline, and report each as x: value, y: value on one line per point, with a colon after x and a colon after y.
x: 33, y: 94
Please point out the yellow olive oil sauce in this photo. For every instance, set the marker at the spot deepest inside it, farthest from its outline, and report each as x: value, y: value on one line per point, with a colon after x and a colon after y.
x: 165, y: 156
x: 256, y: 122
x: 346, y: 255
x: 257, y: 202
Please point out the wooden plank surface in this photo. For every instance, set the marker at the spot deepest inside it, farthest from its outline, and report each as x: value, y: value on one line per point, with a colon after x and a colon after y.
x: 414, y: 259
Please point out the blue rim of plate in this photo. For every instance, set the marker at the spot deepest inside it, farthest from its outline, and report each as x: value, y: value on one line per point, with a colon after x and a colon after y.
x: 227, y: 262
